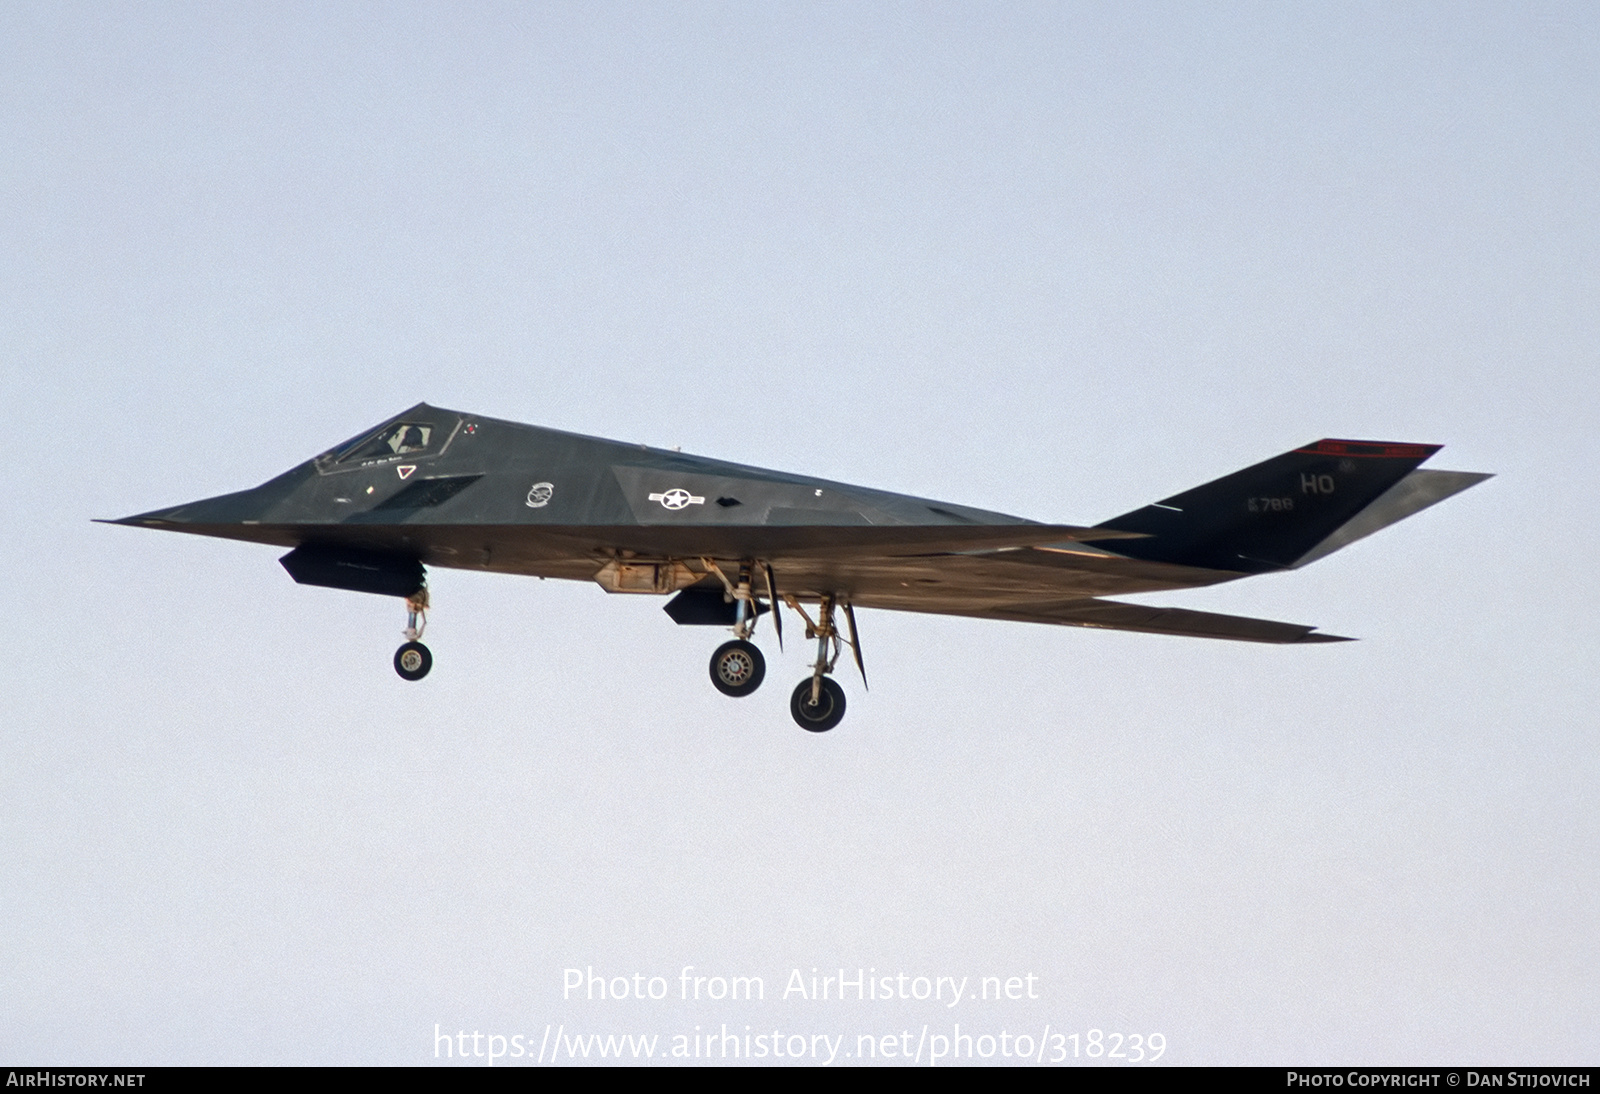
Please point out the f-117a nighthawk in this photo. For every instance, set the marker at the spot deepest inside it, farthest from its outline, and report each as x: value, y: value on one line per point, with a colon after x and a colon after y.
x: 435, y: 487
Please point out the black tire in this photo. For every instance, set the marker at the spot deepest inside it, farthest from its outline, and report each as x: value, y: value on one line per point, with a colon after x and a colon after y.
x: 825, y: 714
x: 737, y: 668
x: 412, y: 661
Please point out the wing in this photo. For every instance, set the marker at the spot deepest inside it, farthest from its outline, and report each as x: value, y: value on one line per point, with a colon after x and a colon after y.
x: 1062, y: 585
x: 1117, y: 616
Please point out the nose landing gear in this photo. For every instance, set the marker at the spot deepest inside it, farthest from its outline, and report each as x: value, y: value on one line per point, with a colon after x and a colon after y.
x: 413, y: 660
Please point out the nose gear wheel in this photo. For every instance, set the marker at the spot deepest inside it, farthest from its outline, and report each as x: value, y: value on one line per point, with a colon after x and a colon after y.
x: 412, y: 661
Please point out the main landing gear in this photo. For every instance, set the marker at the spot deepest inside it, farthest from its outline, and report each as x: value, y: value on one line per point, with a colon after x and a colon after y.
x: 818, y: 703
x: 413, y: 660
x: 737, y: 668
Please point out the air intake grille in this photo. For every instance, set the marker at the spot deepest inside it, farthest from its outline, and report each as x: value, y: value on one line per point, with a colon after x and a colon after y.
x: 426, y: 493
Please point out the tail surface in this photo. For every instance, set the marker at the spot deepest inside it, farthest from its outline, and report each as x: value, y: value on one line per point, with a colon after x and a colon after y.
x: 1291, y: 509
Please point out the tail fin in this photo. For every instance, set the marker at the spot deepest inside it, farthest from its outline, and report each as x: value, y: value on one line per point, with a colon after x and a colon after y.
x: 1292, y: 509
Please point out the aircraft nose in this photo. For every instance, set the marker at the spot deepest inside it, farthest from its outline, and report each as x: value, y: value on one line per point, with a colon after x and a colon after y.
x: 254, y: 506
x: 224, y: 509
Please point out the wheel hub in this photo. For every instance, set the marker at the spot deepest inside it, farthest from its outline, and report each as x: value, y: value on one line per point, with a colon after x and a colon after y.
x: 736, y: 668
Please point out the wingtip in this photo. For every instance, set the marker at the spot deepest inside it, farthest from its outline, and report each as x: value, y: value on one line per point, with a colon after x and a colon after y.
x: 1317, y: 636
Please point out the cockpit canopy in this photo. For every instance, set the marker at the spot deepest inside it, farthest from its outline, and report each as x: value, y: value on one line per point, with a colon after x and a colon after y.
x: 399, y: 439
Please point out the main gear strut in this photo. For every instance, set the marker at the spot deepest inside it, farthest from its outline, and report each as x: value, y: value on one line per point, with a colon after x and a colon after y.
x: 737, y: 667
x: 818, y: 703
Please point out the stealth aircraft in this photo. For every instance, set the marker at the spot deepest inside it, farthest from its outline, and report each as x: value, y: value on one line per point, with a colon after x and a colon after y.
x: 729, y: 543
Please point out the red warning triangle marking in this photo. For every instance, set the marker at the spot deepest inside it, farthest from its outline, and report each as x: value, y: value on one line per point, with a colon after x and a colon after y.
x: 405, y: 472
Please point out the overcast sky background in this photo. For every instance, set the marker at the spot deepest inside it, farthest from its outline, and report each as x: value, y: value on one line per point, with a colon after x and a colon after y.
x: 1055, y: 260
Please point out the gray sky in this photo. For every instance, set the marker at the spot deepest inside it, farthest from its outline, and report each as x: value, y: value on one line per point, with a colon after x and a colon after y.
x: 1054, y: 260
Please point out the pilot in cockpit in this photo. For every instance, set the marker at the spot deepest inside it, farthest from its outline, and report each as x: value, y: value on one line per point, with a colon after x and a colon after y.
x: 401, y: 440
